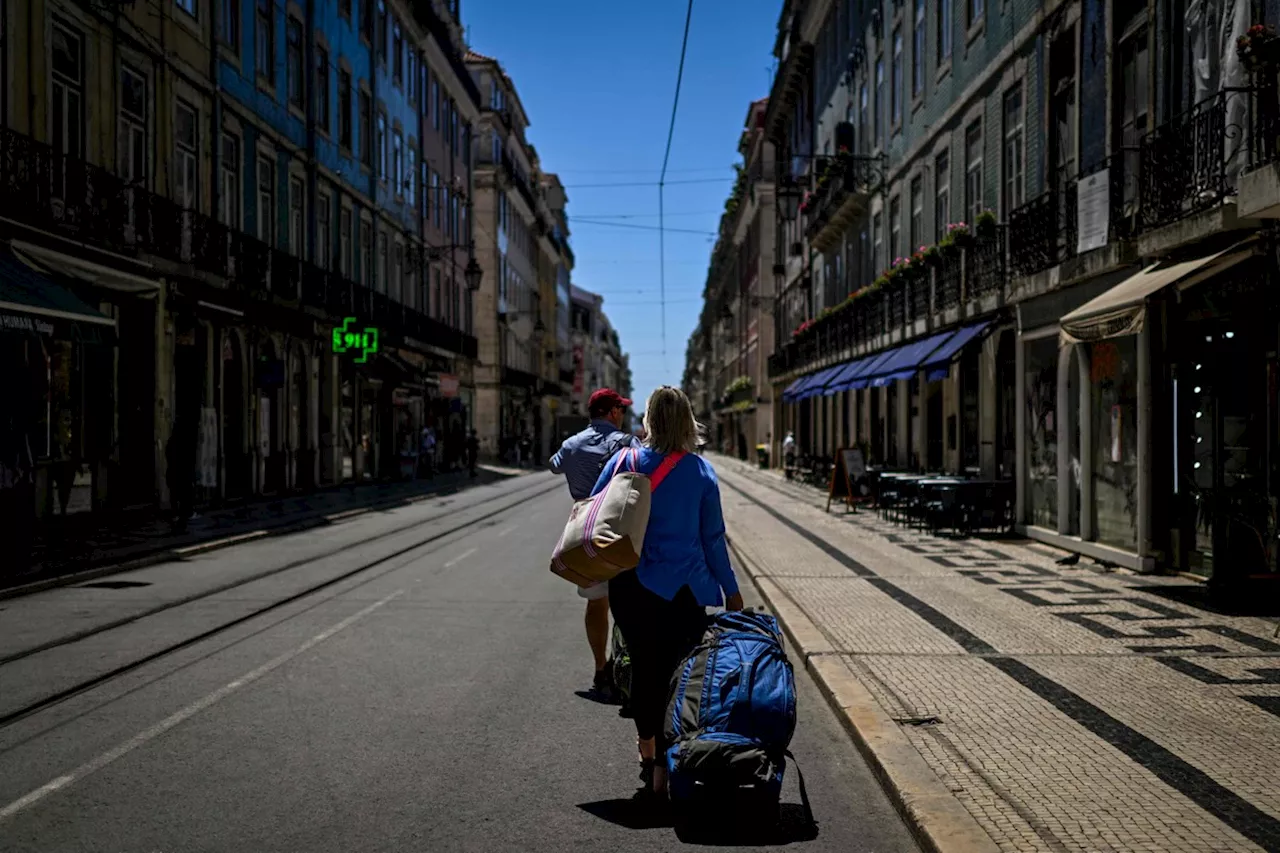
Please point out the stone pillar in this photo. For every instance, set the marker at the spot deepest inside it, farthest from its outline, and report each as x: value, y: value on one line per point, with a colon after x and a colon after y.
x: 922, y: 422
x: 1020, y: 430
x: 904, y: 421
x: 988, y: 402
x: 1086, y: 442
x: 163, y: 412
x: 1145, y: 455
x: 1065, y: 434
x: 951, y: 409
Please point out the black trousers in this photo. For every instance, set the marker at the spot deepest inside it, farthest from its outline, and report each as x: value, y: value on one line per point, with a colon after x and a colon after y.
x: 658, y: 633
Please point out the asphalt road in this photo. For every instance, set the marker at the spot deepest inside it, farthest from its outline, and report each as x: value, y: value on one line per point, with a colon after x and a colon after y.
x: 429, y: 702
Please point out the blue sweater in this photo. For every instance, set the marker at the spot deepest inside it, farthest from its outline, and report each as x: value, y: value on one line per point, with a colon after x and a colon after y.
x: 684, y: 543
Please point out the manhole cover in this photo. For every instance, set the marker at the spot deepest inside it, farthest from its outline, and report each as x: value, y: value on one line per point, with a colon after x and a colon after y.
x: 114, y: 585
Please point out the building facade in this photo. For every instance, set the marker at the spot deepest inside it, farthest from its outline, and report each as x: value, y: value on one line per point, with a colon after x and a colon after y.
x: 210, y: 192
x: 1032, y: 242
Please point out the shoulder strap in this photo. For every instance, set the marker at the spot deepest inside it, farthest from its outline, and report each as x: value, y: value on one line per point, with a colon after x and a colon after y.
x: 804, y: 794
x: 656, y: 478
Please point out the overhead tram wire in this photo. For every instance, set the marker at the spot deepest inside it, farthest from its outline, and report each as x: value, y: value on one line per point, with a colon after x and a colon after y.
x: 662, y: 180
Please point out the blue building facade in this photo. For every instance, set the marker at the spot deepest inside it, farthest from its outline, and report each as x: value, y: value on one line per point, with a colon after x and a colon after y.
x: 330, y: 161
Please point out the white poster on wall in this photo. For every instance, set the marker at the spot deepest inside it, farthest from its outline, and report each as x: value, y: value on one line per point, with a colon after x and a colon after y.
x: 1093, y: 211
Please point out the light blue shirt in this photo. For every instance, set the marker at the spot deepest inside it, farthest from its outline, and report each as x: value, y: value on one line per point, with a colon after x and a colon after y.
x: 684, y: 542
x: 583, y: 456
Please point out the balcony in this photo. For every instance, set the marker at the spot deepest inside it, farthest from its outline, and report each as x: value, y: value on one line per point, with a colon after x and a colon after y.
x: 962, y: 280
x: 1191, y: 163
x: 521, y: 185
x: 1259, y: 192
x: 85, y: 203
x: 843, y: 188
x: 1044, y: 232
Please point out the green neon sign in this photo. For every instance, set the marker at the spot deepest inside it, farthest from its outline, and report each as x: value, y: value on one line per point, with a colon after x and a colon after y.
x: 347, y: 339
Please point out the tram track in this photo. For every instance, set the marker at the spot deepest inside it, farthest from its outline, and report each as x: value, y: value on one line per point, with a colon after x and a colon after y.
x: 34, y: 707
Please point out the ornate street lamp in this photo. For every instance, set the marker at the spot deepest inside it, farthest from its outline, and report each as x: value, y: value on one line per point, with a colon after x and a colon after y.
x: 789, y: 199
x: 472, y: 275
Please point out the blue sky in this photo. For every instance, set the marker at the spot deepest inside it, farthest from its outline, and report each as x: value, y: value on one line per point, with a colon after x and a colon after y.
x: 597, y: 79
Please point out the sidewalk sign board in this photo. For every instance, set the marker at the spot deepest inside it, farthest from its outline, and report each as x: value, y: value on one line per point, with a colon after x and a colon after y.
x: 850, y: 467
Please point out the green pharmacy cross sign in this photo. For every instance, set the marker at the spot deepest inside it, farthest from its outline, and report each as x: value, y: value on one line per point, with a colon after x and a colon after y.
x: 347, y: 339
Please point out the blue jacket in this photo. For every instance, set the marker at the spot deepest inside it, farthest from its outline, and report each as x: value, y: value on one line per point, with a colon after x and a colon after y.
x: 684, y: 543
x: 582, y: 457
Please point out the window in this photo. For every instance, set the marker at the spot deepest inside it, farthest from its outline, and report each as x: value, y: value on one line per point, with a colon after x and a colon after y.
x: 397, y: 163
x: 410, y: 174
x: 397, y: 53
x: 435, y: 103
x: 366, y: 20
x: 344, y: 9
x: 410, y: 75
x: 1012, y: 163
x: 366, y: 129
x: 895, y: 228
x: 895, y: 110
x: 297, y: 218
x: 344, y: 109
x: 941, y: 194
x: 945, y: 22
x: 132, y: 140
x: 497, y: 147
x: 265, y: 34
x: 322, y: 88
x: 917, y: 52
x: 186, y: 155
x: 455, y: 133
x: 380, y: 34
x: 433, y: 200
x: 877, y: 242
x: 229, y: 182
x: 266, y: 200
x: 188, y: 6
x: 366, y: 253
x: 380, y: 283
x: 344, y: 242
x: 975, y: 11
x: 864, y: 120
x: 466, y: 146
x: 446, y: 205
x: 917, y: 213
x: 293, y: 62
x: 973, y: 171
x: 324, y: 255
x: 439, y: 298
x: 454, y: 206
x: 229, y: 24
x: 879, y: 105
x: 380, y: 143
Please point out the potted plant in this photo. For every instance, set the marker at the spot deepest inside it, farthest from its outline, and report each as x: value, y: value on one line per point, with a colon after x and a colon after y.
x: 960, y: 235
x: 1257, y: 48
x: 933, y: 256
x: 986, y: 225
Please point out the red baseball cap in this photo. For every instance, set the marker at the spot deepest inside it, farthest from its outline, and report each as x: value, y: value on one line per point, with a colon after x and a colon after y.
x: 605, y: 400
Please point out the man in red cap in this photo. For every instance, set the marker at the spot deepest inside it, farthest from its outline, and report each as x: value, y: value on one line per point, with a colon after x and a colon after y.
x: 581, y: 459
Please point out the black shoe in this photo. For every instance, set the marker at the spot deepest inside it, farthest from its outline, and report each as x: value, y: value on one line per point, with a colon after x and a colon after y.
x: 602, y: 686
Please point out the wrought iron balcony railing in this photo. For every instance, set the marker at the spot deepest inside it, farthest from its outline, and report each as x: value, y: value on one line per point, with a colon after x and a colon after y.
x: 842, y: 187
x: 1191, y: 162
x: 66, y: 196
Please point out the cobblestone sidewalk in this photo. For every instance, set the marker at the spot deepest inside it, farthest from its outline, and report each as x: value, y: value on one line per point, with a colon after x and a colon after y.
x: 1067, y: 709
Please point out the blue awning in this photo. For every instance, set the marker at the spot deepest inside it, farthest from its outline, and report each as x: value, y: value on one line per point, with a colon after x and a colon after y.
x: 818, y: 382
x: 906, y: 360
x: 789, y: 394
x: 838, y: 381
x: 862, y: 378
x: 938, y: 365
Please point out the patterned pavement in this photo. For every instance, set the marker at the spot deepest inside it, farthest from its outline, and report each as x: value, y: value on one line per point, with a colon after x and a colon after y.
x: 1067, y: 708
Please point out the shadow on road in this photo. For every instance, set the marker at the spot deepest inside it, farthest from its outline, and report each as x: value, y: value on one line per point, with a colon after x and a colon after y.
x: 632, y: 813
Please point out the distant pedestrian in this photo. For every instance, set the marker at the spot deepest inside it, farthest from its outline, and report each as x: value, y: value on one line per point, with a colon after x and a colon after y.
x: 581, y: 459
x: 473, y: 452
x: 684, y: 568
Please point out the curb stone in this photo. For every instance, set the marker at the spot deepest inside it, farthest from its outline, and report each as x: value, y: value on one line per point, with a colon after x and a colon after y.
x: 939, y: 822
x: 166, y: 555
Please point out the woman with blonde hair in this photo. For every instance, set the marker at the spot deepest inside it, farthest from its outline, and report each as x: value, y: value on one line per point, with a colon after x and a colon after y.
x: 684, y: 567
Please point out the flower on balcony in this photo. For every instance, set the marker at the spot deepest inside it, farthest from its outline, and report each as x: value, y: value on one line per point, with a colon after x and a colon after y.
x: 802, y: 328
x: 742, y: 383
x: 958, y: 237
x: 806, y: 202
x: 933, y: 256
x: 1257, y: 48
x: 986, y: 224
